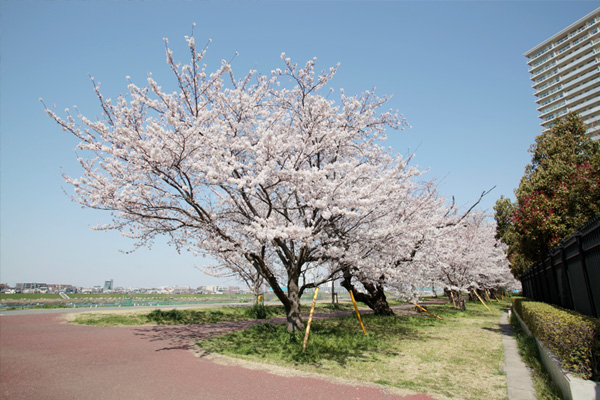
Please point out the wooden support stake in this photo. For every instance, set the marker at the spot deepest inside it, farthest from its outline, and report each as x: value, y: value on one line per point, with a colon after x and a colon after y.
x: 428, y: 312
x: 357, y: 313
x: 482, y: 302
x: 453, y: 301
x: 310, y: 317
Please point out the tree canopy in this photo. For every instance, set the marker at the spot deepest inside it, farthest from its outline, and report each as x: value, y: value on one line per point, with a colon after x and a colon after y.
x: 266, y: 174
x: 559, y: 192
x: 257, y: 172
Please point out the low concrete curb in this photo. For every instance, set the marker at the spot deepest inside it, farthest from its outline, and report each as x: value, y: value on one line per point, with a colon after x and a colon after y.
x: 518, y: 376
x: 571, y: 387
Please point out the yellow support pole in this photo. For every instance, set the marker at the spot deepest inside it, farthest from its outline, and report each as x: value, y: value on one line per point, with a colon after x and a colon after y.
x: 428, y: 312
x: 453, y: 301
x: 482, y: 302
x: 357, y: 313
x: 310, y: 317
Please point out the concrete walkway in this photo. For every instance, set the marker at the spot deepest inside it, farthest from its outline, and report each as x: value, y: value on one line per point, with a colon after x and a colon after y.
x: 518, y: 376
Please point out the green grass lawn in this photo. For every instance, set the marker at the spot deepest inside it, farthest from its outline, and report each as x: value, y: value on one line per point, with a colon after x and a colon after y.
x: 28, y: 296
x: 164, y: 316
x: 458, y: 357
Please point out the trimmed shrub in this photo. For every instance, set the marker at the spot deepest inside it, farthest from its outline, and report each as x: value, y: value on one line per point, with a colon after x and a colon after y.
x: 257, y: 311
x: 182, y: 317
x: 573, y: 337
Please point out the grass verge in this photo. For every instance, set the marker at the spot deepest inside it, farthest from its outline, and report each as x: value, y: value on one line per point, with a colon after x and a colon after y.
x: 545, y: 389
x: 193, y: 315
x: 458, y: 357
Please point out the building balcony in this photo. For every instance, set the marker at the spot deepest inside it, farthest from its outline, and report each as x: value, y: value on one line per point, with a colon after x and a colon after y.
x: 547, y: 121
x: 592, y: 114
x: 539, y: 54
x: 594, y: 35
x: 593, y: 127
x: 569, y: 58
x: 590, y: 65
x: 549, y: 85
x: 546, y: 82
x: 544, y: 69
x: 547, y: 93
x: 568, y: 86
x: 582, y: 69
x: 552, y: 109
x: 550, y: 104
x: 589, y: 93
x: 590, y: 107
x: 555, y: 99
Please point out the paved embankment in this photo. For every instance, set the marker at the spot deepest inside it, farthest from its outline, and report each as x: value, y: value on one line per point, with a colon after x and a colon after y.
x: 42, y: 357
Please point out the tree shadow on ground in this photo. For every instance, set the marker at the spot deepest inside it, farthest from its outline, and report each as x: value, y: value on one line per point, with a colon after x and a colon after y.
x: 184, y: 337
x: 497, y: 330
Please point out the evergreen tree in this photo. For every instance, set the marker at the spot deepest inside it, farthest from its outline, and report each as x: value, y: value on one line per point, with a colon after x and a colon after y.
x: 559, y: 191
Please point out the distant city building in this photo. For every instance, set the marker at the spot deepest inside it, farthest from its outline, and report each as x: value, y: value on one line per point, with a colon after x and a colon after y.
x: 231, y: 290
x: 212, y: 289
x: 566, y: 75
x: 179, y: 290
x: 37, y: 287
x: 29, y: 286
x: 108, y: 285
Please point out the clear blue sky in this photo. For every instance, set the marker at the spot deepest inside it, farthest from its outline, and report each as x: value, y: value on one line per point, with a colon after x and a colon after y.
x: 455, y: 69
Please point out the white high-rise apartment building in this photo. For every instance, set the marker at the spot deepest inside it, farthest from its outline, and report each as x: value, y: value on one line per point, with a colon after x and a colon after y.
x: 565, y: 70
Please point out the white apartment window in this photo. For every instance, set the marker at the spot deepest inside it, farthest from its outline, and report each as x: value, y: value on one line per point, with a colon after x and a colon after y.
x: 539, y: 53
x: 546, y: 68
x: 562, y: 40
x: 554, y: 107
x: 580, y: 39
x: 577, y: 31
x: 546, y: 76
x: 567, y: 47
x: 545, y: 85
x: 543, y: 60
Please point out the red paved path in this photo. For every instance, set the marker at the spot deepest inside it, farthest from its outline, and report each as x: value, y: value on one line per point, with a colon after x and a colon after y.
x: 42, y: 357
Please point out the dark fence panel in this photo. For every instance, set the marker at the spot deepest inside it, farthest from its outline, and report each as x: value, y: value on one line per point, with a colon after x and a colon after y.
x: 570, y: 276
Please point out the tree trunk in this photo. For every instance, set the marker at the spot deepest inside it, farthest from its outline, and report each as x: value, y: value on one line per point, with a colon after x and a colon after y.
x: 374, y: 298
x: 292, y: 307
x: 291, y: 301
x: 456, y: 299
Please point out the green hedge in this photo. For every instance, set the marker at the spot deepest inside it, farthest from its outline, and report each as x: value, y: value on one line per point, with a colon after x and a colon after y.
x: 573, y: 337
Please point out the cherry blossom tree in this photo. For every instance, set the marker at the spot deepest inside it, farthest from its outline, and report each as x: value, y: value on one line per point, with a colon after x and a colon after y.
x: 392, y: 249
x: 262, y: 173
x: 380, y: 252
x: 467, y: 256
